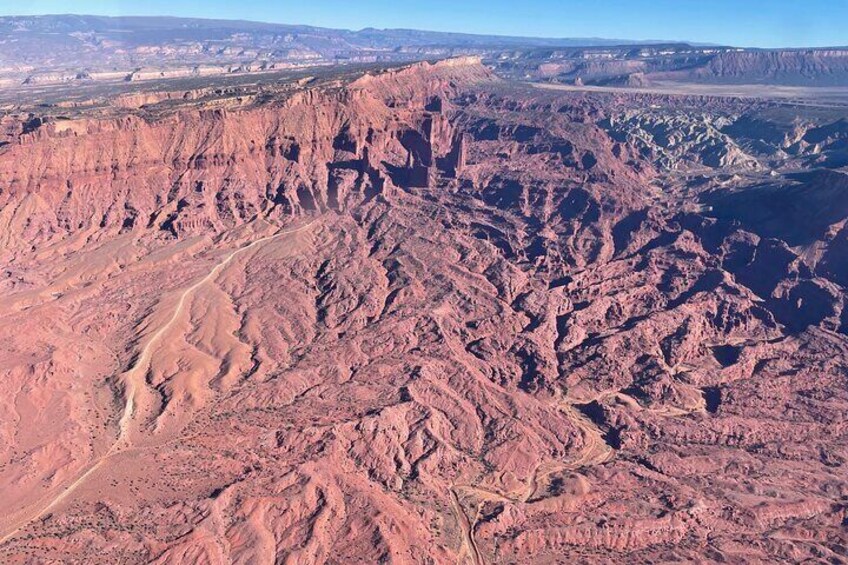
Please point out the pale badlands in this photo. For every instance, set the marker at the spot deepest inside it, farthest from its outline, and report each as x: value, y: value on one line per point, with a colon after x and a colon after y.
x: 424, y: 316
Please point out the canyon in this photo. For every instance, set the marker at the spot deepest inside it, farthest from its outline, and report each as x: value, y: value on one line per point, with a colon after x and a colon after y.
x: 424, y: 313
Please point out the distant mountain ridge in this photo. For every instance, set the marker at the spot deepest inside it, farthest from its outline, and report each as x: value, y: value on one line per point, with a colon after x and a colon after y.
x: 57, y: 49
x: 370, y: 35
x: 64, y: 48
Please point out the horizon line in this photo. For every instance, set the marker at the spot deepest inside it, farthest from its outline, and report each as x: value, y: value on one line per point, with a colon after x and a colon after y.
x: 612, y: 40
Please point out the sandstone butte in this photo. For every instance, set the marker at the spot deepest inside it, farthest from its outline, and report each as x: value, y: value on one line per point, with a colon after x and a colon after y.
x: 424, y: 315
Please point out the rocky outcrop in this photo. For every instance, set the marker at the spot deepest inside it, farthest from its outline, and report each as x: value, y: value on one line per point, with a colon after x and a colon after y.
x: 199, y: 170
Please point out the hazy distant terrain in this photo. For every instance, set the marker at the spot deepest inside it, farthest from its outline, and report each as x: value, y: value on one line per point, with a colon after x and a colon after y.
x: 70, y: 47
x: 47, y: 50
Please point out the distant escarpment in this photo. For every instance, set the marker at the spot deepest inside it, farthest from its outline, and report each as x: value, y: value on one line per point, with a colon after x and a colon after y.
x: 643, y: 66
x: 801, y: 67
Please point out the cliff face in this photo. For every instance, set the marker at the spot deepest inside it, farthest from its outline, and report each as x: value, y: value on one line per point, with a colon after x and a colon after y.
x: 212, y: 169
x: 643, y: 67
x: 788, y: 66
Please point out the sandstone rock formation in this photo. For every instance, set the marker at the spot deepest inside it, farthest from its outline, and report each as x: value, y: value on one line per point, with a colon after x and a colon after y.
x: 423, y: 316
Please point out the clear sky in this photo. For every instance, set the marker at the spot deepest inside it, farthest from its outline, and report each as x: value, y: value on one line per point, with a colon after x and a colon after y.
x: 746, y: 23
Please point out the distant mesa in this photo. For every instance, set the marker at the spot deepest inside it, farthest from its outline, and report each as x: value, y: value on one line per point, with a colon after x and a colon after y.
x: 43, y: 50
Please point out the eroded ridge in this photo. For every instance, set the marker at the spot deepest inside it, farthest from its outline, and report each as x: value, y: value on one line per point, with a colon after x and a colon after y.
x: 525, y: 326
x: 134, y: 383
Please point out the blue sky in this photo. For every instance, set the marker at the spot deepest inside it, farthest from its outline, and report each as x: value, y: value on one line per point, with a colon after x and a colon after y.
x: 756, y: 23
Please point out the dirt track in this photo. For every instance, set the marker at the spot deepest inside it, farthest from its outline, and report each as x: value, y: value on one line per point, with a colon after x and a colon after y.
x: 134, y: 381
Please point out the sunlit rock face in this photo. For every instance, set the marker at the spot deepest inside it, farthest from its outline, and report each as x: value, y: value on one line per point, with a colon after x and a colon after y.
x: 422, y: 315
